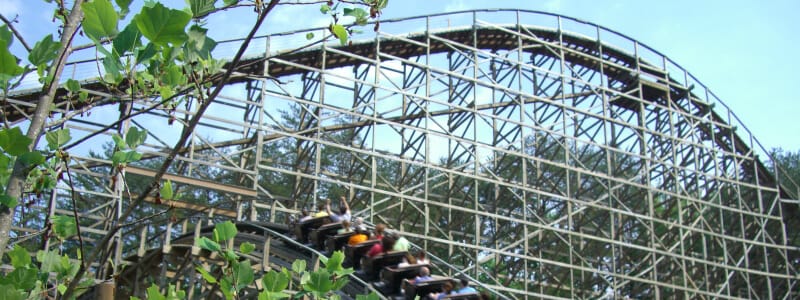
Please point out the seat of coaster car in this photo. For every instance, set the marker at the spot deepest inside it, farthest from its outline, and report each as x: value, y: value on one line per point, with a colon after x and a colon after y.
x: 392, y: 277
x: 372, y: 266
x: 337, y: 241
x: 302, y: 229
x: 320, y: 234
x: 354, y: 253
x: 422, y: 289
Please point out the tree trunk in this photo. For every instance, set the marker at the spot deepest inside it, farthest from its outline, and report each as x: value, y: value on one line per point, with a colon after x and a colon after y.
x: 20, y: 173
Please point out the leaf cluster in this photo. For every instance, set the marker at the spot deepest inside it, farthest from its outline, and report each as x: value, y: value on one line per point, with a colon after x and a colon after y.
x: 360, y: 17
x: 31, y: 278
x: 14, y: 146
x: 238, y: 274
x: 126, y: 147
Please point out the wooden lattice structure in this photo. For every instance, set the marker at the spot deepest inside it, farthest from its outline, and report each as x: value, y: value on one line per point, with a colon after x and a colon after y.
x: 545, y: 156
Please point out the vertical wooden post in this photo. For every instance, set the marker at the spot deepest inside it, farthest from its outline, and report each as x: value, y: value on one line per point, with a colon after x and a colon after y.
x: 106, y: 290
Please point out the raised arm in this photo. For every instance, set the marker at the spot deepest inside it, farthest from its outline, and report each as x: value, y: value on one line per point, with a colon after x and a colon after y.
x: 328, y: 207
x: 344, y: 202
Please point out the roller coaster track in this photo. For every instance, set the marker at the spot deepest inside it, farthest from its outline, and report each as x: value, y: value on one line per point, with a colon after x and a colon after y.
x: 553, y: 157
x: 175, y: 263
x: 580, y: 51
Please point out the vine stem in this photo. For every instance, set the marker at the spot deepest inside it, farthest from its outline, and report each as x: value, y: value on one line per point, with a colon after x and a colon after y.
x: 16, y: 33
x: 73, y: 195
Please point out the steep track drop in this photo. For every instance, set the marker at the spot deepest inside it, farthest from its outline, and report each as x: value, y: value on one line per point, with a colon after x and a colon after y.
x: 175, y: 263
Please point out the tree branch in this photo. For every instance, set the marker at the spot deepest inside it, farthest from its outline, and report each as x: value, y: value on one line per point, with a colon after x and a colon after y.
x: 19, y: 174
x: 16, y: 33
x: 75, y: 212
x: 168, y: 161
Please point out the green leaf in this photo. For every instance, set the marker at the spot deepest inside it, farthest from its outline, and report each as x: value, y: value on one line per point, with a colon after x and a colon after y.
x: 199, y: 45
x: 340, y: 32
x: 83, y: 95
x: 162, y: 25
x: 208, y: 244
x: 230, y: 2
x: 305, y: 278
x: 33, y: 158
x: 123, y: 7
x: 200, y: 8
x: 6, y: 37
x: 300, y: 295
x: 360, y: 14
x: 319, y: 283
x: 113, y: 67
x: 145, y: 54
x: 173, y: 76
x: 274, y: 281
x: 166, y: 92
x: 174, y: 294
x: 371, y: 296
x: 226, y: 288
x: 334, y: 264
x: 49, y: 261
x: 247, y: 247
x: 230, y: 256
x: 22, y: 278
x: 119, y: 142
x: 125, y: 157
x: 298, y: 266
x: 225, y: 231
x: 13, y: 141
x: 207, y: 276
x: 44, y: 51
x: 8, y: 201
x: 19, y: 257
x: 324, y: 9
x: 267, y: 295
x: 166, y: 190
x: 8, y: 292
x: 61, y: 288
x: 154, y: 294
x: 309, y: 35
x: 57, y: 138
x: 9, y: 65
x: 135, y: 137
x: 100, y: 20
x: 73, y: 85
x: 127, y: 40
x: 243, y: 273
x: 66, y: 268
x: 64, y: 226
x: 339, y: 283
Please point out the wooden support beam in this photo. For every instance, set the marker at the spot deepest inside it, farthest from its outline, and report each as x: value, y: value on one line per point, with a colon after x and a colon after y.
x: 196, y: 182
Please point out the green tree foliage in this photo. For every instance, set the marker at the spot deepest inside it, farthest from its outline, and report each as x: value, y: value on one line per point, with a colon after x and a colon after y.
x: 788, y: 162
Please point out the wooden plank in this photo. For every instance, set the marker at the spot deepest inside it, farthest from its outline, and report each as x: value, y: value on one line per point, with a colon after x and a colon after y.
x: 194, y: 207
x: 196, y: 182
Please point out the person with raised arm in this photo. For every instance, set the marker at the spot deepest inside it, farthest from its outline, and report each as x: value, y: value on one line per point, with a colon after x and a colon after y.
x: 344, y: 211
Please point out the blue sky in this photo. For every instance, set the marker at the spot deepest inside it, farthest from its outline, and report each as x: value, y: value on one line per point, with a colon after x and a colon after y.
x: 744, y: 51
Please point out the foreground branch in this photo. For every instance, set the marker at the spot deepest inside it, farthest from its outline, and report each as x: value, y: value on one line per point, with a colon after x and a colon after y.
x: 16, y: 33
x: 100, y: 247
x: 18, y: 176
